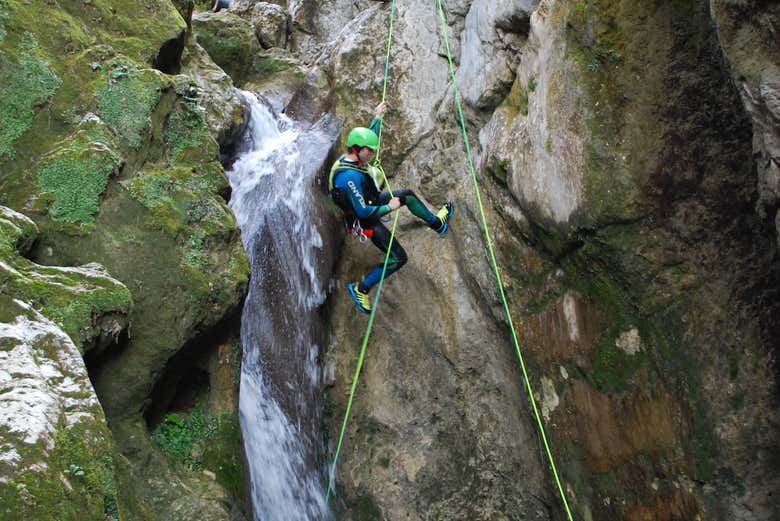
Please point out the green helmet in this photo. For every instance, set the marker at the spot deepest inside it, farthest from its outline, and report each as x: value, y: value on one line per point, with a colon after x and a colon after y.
x: 363, y: 137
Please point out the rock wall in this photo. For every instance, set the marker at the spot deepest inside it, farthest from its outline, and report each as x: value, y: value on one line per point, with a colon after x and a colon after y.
x: 621, y: 165
x: 748, y: 36
x: 112, y: 153
x: 627, y: 155
x: 55, y: 448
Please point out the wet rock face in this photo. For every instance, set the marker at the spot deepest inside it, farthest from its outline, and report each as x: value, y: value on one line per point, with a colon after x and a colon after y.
x: 748, y: 34
x: 623, y: 148
x: 617, y: 156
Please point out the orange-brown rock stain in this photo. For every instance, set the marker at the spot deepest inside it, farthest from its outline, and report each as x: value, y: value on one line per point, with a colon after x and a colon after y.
x: 677, y: 505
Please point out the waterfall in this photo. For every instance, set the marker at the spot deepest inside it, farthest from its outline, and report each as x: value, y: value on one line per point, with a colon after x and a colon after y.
x: 274, y: 196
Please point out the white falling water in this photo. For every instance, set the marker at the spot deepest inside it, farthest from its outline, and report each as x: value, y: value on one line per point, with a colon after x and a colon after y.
x: 273, y: 190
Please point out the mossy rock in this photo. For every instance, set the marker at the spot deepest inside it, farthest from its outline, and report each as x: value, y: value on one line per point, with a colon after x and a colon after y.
x: 56, y: 448
x: 204, y: 441
x: 88, y: 304
x: 76, y: 174
x: 37, y: 51
x: 187, y: 135
x: 27, y: 82
x: 229, y: 40
x: 128, y: 98
x: 151, y: 207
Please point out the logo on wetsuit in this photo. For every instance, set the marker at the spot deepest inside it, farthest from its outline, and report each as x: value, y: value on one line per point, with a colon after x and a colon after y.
x: 357, y: 193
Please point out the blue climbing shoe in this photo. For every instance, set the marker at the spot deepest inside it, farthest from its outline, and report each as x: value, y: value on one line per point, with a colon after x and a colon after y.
x: 444, y: 215
x: 362, y: 300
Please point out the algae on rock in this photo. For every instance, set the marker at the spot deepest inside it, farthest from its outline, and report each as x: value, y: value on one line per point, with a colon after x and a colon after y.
x: 87, y: 303
x: 56, y: 457
x: 116, y: 165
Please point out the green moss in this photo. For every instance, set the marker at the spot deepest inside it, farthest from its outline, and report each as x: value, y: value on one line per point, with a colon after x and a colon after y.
x: 77, y: 484
x: 598, y: 44
x: 267, y: 66
x: 26, y: 82
x: 613, y: 369
x: 3, y: 17
x: 230, y: 42
x: 153, y: 189
x: 193, y: 254
x: 182, y: 200
x: 127, y: 100
x: 76, y: 175
x: 600, y: 271
x: 199, y: 441
x: 517, y: 99
x: 77, y: 312
x: 187, y: 134
x: 223, y: 456
x: 76, y: 306
x: 499, y: 170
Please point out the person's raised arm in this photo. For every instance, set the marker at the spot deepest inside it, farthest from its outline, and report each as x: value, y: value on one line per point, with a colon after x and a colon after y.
x: 379, y: 113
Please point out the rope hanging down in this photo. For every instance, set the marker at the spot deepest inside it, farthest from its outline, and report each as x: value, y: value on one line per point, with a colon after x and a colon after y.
x: 361, y: 357
x: 495, y: 265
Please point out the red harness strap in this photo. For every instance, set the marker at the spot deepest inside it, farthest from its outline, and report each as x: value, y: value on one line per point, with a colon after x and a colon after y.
x: 353, y: 228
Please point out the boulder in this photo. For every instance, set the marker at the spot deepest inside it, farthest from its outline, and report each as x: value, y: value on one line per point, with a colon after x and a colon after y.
x: 56, y: 456
x: 55, y: 448
x: 230, y: 41
x: 225, y: 112
x: 270, y: 23
x: 85, y: 302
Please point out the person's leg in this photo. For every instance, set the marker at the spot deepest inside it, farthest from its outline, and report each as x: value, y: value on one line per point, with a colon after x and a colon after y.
x: 398, y: 257
x: 416, y: 206
x: 359, y: 291
x: 438, y: 222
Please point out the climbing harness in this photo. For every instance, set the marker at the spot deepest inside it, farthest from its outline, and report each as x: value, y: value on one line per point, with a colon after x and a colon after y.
x: 494, y: 263
x: 354, y: 229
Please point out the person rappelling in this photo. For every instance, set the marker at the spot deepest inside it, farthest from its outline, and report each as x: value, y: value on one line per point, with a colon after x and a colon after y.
x: 355, y: 186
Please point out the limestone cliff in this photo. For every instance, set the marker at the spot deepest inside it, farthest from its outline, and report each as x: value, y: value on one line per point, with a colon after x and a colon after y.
x: 626, y: 174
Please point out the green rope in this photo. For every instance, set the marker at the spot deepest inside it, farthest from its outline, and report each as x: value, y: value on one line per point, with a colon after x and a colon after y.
x: 495, y: 266
x: 361, y: 357
x: 378, y: 160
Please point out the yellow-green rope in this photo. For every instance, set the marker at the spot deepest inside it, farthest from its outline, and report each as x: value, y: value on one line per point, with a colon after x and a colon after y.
x: 495, y: 266
x: 361, y: 357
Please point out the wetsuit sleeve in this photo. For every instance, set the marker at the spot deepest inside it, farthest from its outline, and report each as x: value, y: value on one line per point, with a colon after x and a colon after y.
x: 376, y: 125
x: 350, y: 183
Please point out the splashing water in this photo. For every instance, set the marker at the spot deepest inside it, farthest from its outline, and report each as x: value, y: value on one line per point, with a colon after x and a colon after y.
x: 273, y: 194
